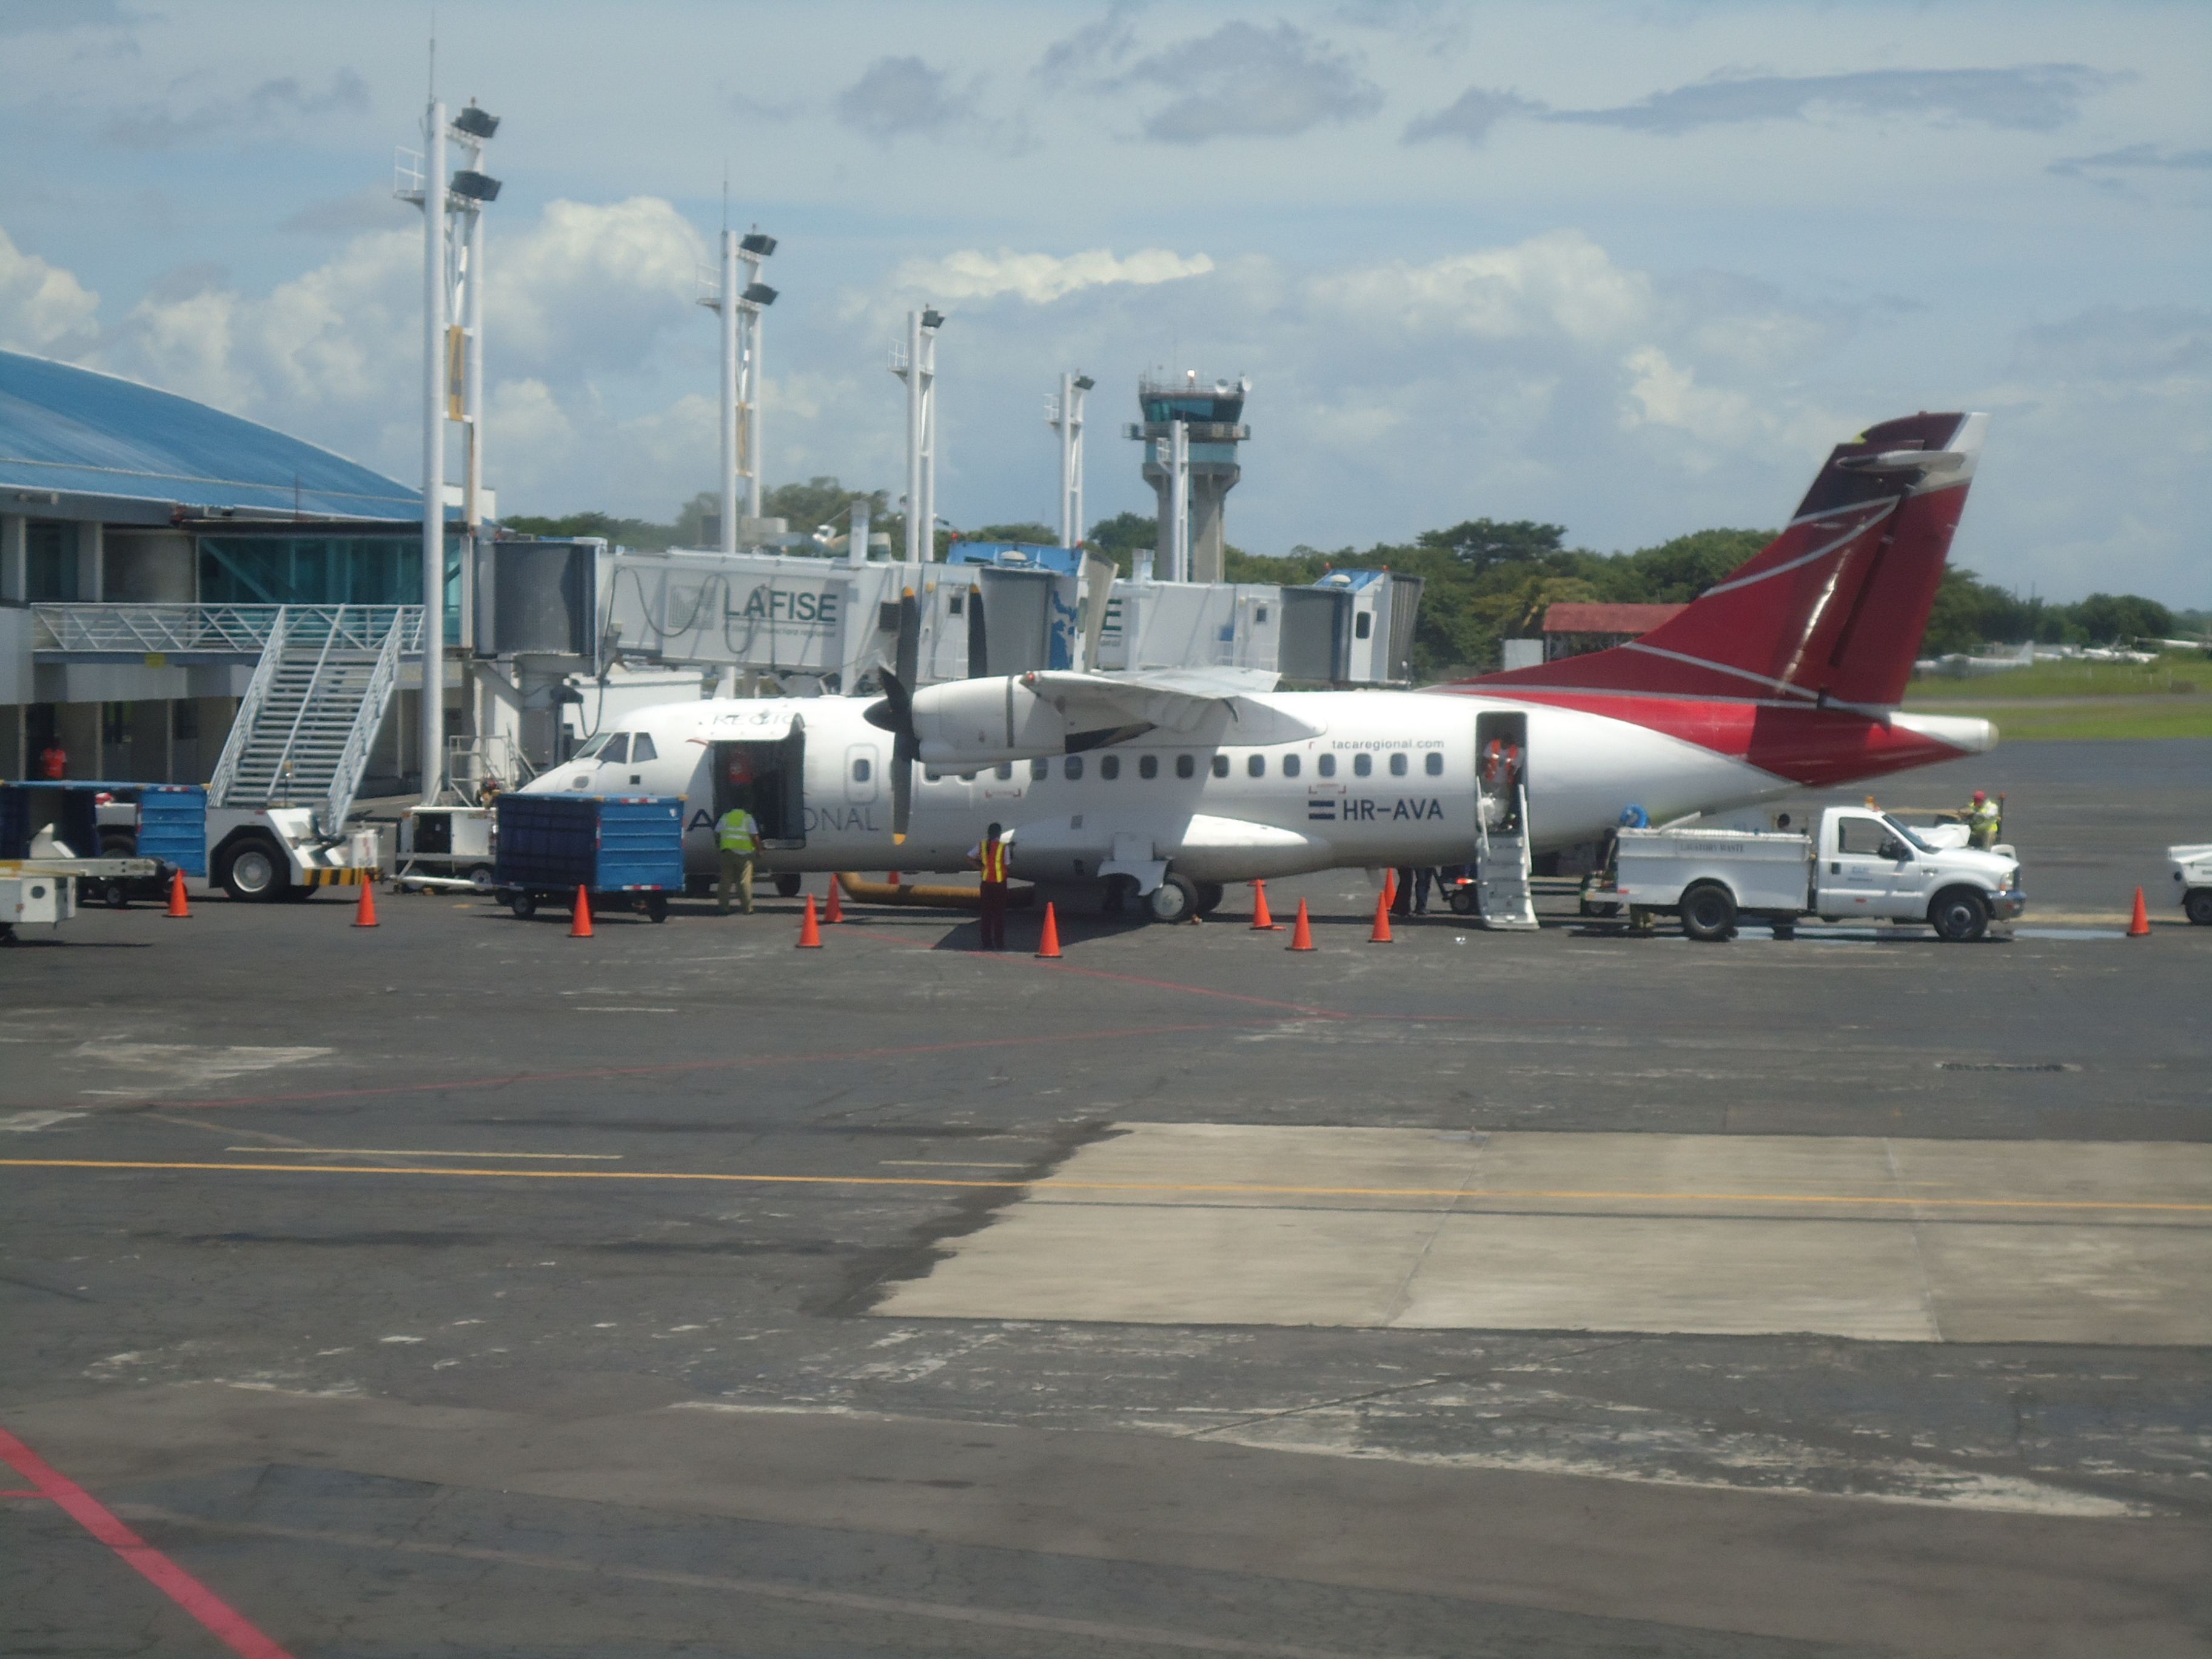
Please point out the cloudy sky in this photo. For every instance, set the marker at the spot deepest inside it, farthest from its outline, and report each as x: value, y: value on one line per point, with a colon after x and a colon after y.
x: 1631, y: 268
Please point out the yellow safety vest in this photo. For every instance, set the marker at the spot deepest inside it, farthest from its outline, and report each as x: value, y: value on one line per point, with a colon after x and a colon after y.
x: 737, y: 831
x: 995, y: 860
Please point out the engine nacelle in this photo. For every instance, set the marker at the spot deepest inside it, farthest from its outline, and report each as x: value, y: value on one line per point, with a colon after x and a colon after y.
x: 966, y: 724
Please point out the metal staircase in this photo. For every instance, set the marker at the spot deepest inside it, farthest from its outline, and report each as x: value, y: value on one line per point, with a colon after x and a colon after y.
x: 317, y: 697
x: 1503, y: 867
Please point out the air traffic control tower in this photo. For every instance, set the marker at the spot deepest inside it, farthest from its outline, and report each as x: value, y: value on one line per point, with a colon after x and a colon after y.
x: 1210, y: 415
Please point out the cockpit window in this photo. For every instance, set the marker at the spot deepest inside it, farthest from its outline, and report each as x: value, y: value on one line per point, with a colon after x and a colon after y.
x: 590, y: 751
x: 616, y: 751
x: 641, y: 750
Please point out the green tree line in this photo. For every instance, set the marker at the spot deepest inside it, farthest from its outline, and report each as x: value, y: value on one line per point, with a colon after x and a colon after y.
x: 1484, y: 580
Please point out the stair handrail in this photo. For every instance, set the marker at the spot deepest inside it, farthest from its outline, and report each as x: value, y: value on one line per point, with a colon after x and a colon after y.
x: 307, y: 703
x: 367, y: 720
x: 249, y: 712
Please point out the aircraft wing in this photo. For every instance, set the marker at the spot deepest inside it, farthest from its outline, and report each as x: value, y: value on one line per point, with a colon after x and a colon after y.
x: 1179, y: 700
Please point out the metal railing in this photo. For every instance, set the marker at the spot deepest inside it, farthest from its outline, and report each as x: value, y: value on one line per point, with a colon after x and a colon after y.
x: 383, y: 679
x: 249, y: 711
x: 243, y: 629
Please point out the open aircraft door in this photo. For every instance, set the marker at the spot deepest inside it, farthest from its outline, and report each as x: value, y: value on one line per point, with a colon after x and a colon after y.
x: 767, y: 775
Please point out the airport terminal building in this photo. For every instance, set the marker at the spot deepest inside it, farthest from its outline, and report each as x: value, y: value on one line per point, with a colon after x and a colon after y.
x: 147, y: 544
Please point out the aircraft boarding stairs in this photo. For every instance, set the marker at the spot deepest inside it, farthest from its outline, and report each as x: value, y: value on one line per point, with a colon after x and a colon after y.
x: 320, y: 694
x: 1503, y: 867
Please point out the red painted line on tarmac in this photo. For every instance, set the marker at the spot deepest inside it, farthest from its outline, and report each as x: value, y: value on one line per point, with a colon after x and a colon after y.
x: 227, y: 1625
x: 678, y: 1067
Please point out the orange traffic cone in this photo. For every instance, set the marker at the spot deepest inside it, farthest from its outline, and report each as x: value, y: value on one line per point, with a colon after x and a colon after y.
x: 579, y: 923
x: 1390, y: 887
x: 1049, y: 943
x: 2139, y: 927
x: 177, y: 905
x: 1262, y: 923
x: 1382, y: 934
x: 364, y: 914
x: 809, y: 928
x: 835, y: 912
x: 1302, y: 931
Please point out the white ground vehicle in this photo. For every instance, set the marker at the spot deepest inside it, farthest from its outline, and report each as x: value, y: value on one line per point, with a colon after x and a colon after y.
x: 2192, y: 881
x: 257, y: 853
x: 1868, y: 865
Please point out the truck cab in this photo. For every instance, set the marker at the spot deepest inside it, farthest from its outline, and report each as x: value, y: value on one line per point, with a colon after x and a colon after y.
x: 1869, y: 864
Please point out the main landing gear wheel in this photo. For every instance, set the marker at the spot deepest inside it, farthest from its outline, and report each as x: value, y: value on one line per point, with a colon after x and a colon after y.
x: 787, y: 886
x: 1960, y: 916
x: 1708, y: 912
x: 1209, y: 895
x: 1176, y: 899
x: 253, y: 871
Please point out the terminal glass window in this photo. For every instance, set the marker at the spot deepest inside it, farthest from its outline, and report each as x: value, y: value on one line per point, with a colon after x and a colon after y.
x: 326, y: 570
x: 1186, y: 767
x: 1148, y: 766
x: 1362, y: 765
x: 49, y: 562
x: 1434, y: 765
x: 1290, y: 766
x: 1397, y: 766
x: 1326, y: 766
x: 1040, y: 770
x: 1110, y: 766
x: 1221, y: 766
x: 1255, y: 766
x: 641, y: 750
x: 1072, y: 769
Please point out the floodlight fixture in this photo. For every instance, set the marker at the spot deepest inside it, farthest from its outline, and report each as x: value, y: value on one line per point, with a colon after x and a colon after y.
x: 476, y: 186
x: 758, y: 294
x: 1083, y: 383
x: 932, y: 319
x: 477, y: 123
x: 754, y: 243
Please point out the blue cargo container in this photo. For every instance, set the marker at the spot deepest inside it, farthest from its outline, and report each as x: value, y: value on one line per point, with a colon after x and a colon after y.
x: 171, y: 819
x: 623, y: 849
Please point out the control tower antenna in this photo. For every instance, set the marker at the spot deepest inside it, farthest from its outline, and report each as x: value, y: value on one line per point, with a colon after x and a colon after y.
x: 1190, y: 433
x: 1064, y: 414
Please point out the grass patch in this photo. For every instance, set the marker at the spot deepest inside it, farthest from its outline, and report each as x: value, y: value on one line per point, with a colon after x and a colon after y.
x: 2185, y: 717
x: 2178, y: 671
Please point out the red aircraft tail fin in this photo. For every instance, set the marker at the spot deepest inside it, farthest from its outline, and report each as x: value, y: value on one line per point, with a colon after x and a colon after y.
x: 1833, y: 609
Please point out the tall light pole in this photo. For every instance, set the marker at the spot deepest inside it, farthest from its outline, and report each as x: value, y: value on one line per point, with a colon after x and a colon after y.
x: 1065, y: 417
x: 451, y: 353
x: 739, y: 308
x: 917, y: 366
x: 753, y: 302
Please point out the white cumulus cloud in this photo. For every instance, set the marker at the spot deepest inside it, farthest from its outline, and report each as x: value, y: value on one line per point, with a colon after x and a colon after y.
x: 1040, y: 278
x: 43, y: 307
x: 1558, y: 283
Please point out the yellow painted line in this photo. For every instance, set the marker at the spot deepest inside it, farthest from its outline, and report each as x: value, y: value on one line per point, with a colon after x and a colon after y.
x: 1057, y: 1185
x: 408, y: 1151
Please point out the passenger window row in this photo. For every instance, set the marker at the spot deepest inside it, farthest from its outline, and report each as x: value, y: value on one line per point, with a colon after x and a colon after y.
x: 1148, y: 766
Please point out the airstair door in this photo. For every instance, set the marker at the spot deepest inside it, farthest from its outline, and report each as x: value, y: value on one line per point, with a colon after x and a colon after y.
x: 1502, y: 865
x: 768, y: 777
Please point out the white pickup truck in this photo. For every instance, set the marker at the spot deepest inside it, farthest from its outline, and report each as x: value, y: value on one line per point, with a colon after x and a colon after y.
x: 2192, y: 881
x: 1860, y: 863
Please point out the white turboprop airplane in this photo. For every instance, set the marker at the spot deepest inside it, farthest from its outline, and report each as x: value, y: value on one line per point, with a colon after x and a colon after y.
x: 1175, y: 782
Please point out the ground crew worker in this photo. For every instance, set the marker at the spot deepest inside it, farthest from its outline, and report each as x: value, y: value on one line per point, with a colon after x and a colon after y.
x: 53, y: 760
x: 1983, y: 822
x: 993, y: 857
x: 736, y: 842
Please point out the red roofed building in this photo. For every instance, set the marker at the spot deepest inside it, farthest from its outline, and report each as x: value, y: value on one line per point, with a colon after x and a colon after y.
x: 1571, y: 630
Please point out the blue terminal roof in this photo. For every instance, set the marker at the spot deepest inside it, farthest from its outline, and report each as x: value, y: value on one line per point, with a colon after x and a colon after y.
x: 79, y: 432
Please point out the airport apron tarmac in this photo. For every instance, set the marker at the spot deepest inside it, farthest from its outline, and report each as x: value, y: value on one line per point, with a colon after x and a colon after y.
x: 1895, y: 1240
